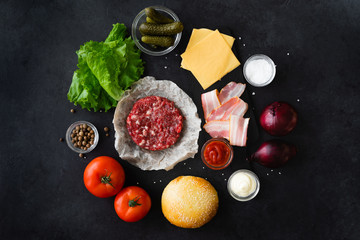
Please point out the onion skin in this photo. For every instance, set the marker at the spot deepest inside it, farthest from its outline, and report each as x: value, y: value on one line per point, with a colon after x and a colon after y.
x: 274, y: 153
x: 278, y: 118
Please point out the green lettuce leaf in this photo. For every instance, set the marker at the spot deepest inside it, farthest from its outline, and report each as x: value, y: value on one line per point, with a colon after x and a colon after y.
x: 106, y: 70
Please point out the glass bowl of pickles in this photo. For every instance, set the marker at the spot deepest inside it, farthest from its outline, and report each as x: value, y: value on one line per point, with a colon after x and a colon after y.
x: 156, y: 30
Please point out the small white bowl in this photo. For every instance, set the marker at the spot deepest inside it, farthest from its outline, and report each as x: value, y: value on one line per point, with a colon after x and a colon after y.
x: 68, y: 137
x: 259, y: 57
x: 249, y: 197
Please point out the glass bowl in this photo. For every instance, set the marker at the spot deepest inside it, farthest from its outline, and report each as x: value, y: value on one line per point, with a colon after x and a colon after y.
x: 226, y: 163
x: 68, y: 137
x: 259, y: 57
x: 136, y: 35
x: 250, y: 196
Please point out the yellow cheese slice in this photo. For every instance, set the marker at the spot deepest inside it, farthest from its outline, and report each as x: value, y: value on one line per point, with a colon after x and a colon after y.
x: 210, y: 59
x: 198, y: 34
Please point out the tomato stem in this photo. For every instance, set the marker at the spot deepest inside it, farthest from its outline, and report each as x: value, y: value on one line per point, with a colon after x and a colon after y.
x: 134, y: 202
x: 107, y: 180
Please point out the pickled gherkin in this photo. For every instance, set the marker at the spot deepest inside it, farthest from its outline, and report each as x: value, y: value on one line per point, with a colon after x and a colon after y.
x: 156, y: 16
x: 161, y: 29
x: 161, y: 41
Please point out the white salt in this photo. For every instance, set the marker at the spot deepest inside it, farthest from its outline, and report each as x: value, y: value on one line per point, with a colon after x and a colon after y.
x: 259, y: 71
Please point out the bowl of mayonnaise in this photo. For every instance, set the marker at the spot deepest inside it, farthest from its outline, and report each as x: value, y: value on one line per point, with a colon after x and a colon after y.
x: 243, y: 185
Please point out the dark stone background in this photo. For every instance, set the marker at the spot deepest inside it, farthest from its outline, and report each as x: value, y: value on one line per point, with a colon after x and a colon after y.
x: 315, y: 45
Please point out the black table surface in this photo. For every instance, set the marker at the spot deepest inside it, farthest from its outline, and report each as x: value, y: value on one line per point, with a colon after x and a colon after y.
x: 315, y: 45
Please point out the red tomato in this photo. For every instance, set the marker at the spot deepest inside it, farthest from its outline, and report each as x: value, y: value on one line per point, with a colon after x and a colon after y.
x: 104, y: 177
x: 132, y: 204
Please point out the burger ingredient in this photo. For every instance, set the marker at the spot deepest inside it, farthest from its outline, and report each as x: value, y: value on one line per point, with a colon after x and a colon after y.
x: 242, y: 184
x: 223, y: 111
x: 210, y: 101
x: 104, y: 177
x: 162, y: 41
x: 232, y: 89
x: 239, y: 110
x: 132, y: 204
x: 106, y: 69
x: 161, y: 29
x: 154, y: 123
x: 274, y: 153
x: 217, y: 153
x: 149, y: 20
x: 218, y: 129
x: 197, y: 35
x: 156, y: 16
x: 238, y: 130
x: 189, y: 202
x: 226, y: 119
x: 210, y: 59
x: 259, y: 71
x: 278, y: 118
x: 82, y: 136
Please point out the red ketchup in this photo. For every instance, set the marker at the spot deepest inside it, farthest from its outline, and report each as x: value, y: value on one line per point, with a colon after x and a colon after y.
x: 217, y: 154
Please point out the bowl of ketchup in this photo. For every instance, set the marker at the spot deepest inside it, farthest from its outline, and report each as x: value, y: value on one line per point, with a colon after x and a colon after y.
x: 217, y: 153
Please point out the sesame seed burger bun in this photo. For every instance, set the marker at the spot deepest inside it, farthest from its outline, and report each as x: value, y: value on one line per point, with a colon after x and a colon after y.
x: 189, y: 202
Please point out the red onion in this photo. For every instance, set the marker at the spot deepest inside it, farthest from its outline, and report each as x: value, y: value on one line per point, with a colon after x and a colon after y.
x: 274, y: 153
x: 278, y: 119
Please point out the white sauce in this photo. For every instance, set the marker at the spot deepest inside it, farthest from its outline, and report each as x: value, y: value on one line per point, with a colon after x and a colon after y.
x: 259, y: 71
x: 243, y: 184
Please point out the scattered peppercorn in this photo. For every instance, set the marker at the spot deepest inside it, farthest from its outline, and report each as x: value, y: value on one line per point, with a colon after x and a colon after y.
x: 107, y: 134
x: 72, y: 110
x: 61, y: 139
x: 81, y: 155
x: 106, y: 129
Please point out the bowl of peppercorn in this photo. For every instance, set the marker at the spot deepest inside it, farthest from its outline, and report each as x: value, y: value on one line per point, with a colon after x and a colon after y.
x: 82, y: 137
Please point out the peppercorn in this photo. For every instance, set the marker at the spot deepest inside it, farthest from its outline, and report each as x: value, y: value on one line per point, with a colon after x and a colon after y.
x: 82, y: 137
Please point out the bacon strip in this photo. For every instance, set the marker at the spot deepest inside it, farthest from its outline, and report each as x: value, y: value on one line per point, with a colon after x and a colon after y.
x: 232, y: 89
x: 223, y: 110
x: 239, y: 109
x: 210, y: 101
x: 219, y: 129
x: 238, y: 130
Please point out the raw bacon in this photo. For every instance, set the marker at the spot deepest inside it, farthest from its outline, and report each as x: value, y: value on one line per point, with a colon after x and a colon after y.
x: 239, y: 110
x: 238, y: 130
x: 232, y: 89
x: 224, y: 114
x: 210, y: 101
x: 218, y: 129
x: 223, y: 110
